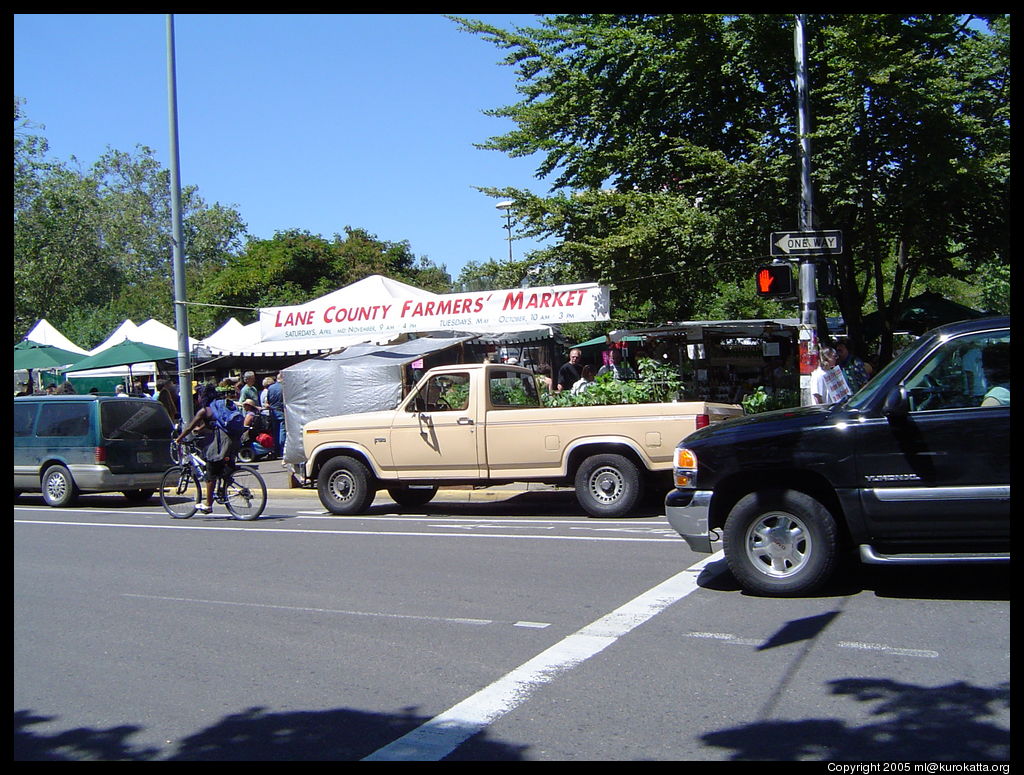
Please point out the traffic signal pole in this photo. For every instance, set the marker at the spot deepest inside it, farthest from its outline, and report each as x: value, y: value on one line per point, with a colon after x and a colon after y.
x: 807, y: 284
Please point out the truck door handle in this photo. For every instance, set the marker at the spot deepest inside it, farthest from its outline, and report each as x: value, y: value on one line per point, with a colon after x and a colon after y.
x: 465, y: 421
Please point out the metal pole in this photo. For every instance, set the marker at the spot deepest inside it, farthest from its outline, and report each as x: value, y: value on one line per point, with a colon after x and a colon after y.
x: 808, y: 290
x: 180, y: 310
x: 507, y: 207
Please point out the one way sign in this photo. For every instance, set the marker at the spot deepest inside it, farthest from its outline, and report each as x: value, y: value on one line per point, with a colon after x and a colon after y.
x: 806, y: 243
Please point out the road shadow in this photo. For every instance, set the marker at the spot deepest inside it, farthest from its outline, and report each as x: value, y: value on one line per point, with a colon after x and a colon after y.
x: 254, y: 734
x: 528, y: 503
x: 910, y: 722
x: 910, y: 582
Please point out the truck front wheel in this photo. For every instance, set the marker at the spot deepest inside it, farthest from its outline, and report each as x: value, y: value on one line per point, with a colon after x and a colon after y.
x: 344, y: 486
x: 780, y: 542
x: 608, y: 485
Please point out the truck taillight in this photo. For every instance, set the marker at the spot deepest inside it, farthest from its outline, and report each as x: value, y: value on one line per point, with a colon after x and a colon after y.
x: 100, y: 454
x: 703, y: 421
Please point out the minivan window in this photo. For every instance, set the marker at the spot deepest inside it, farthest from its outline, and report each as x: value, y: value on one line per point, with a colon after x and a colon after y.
x: 134, y: 420
x: 24, y: 415
x: 63, y: 419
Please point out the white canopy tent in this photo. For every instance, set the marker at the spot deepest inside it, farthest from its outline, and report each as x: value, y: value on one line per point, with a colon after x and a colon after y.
x: 44, y: 333
x: 378, y: 309
x: 234, y: 338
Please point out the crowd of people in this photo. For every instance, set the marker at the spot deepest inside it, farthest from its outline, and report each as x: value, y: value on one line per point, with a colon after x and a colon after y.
x: 263, y: 409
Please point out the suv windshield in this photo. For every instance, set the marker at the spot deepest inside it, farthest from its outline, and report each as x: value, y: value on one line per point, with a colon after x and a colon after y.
x: 134, y: 420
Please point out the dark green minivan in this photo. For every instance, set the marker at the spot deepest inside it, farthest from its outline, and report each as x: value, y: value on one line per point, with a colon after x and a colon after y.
x: 64, y: 445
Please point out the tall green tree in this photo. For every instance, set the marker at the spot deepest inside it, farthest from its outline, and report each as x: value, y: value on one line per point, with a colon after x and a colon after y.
x: 670, y: 144
x: 92, y: 246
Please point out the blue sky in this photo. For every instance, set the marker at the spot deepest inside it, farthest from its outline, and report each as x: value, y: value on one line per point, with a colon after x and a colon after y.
x: 314, y: 122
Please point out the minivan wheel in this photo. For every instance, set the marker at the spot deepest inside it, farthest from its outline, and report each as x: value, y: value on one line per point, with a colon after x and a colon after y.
x: 58, y: 487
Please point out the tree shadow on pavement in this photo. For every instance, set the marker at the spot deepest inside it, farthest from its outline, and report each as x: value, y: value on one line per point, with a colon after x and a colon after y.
x: 254, y: 734
x: 955, y: 722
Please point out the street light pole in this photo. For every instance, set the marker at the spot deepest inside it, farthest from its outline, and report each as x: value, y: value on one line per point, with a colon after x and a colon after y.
x: 180, y: 311
x: 507, y: 207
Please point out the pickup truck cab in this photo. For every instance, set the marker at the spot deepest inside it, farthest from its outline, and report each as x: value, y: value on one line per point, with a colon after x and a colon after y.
x: 483, y: 424
x: 914, y: 468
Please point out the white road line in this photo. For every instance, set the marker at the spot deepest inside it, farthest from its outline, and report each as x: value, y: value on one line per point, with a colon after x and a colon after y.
x: 254, y: 528
x: 455, y: 620
x: 444, y: 733
x: 924, y: 653
x: 734, y: 640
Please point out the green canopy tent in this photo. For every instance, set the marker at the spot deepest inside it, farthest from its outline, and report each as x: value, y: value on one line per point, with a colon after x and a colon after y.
x: 33, y: 355
x: 919, y: 314
x: 126, y: 353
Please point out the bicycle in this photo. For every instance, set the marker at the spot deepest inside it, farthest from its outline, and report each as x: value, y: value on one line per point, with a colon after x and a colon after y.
x: 241, y: 489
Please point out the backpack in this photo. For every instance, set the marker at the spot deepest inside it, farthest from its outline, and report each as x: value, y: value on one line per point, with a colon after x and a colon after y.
x: 228, y: 418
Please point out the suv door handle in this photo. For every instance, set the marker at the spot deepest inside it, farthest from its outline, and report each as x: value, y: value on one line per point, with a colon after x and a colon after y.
x: 465, y: 421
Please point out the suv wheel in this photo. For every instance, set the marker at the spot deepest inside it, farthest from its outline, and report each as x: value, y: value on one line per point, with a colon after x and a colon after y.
x: 780, y: 542
x: 58, y: 487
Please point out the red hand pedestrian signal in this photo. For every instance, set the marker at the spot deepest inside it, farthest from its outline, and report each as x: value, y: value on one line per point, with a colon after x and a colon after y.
x: 775, y: 281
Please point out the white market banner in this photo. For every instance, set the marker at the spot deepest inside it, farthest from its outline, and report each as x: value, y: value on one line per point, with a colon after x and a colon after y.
x: 476, y: 312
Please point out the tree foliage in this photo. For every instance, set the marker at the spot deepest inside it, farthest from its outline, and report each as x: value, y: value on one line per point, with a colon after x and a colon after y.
x: 670, y: 144
x: 93, y: 247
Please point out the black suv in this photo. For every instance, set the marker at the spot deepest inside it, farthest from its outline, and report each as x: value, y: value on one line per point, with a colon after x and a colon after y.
x: 914, y: 468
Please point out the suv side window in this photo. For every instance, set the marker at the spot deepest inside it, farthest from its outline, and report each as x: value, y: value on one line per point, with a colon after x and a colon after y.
x: 63, y: 420
x: 966, y: 372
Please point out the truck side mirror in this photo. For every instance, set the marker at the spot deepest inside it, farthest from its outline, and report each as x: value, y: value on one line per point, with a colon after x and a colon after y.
x: 897, y: 404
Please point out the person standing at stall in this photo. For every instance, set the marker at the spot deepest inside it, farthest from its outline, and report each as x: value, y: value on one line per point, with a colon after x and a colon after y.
x: 275, y: 402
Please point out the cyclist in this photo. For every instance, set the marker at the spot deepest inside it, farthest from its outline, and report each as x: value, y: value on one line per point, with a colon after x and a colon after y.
x: 220, y: 426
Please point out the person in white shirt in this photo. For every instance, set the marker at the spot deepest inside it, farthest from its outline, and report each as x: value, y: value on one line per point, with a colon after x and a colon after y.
x: 828, y: 384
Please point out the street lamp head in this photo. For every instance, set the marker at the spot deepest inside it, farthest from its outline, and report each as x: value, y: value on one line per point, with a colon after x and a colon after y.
x: 507, y: 204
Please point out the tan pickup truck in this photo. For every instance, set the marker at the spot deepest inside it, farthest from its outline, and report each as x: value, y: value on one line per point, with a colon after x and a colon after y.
x: 483, y: 424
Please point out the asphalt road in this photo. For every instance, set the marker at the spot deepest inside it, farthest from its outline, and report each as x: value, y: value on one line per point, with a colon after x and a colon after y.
x: 514, y: 629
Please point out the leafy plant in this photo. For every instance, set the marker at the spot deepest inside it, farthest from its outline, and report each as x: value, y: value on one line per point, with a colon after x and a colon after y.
x: 760, y: 401
x: 657, y: 382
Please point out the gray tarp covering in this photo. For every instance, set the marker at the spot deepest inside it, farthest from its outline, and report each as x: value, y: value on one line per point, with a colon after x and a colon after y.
x: 363, y: 378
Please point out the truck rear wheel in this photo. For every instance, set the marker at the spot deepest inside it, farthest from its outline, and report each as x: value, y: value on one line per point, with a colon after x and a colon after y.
x: 780, y: 542
x: 344, y: 486
x: 608, y: 485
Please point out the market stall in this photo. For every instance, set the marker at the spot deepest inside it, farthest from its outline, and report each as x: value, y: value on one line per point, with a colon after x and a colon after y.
x: 723, y: 360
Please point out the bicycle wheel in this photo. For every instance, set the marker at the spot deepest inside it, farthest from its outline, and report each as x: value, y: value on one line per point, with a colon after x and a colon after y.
x: 245, y: 493
x: 179, y: 492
